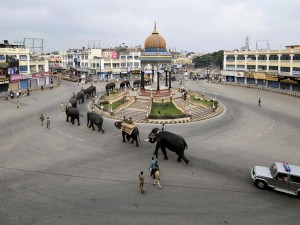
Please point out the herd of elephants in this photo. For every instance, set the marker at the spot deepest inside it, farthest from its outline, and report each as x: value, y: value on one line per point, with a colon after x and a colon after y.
x: 164, y: 139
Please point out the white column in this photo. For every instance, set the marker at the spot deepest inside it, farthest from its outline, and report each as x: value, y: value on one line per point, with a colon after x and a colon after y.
x: 279, y: 61
x: 224, y: 62
x: 291, y: 64
x: 246, y: 56
x: 268, y: 57
x: 256, y: 63
x: 235, y: 62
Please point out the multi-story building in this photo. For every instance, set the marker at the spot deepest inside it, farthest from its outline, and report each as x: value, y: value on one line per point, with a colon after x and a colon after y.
x: 272, y: 68
x: 19, y: 69
x: 102, y: 63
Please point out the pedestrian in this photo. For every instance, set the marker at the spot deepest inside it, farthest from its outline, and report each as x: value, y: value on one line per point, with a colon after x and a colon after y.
x: 42, y: 118
x: 163, y: 127
x: 153, y: 166
x: 62, y: 107
x: 142, y: 180
x: 48, y: 123
x: 157, y: 179
x: 130, y: 121
x: 42, y: 87
x: 18, y: 104
x: 28, y: 92
x: 259, y: 101
x: 17, y: 94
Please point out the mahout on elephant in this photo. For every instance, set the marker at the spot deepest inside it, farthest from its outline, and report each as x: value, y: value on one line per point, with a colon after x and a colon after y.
x: 109, y: 87
x: 90, y: 91
x: 80, y: 97
x: 130, y: 131
x: 72, y: 112
x: 95, y: 119
x: 136, y: 83
x: 171, y: 141
x: 125, y: 83
x: 73, y: 101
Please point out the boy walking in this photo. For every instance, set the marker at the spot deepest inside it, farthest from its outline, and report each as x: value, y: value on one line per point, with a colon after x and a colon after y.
x: 157, y: 178
x: 18, y: 104
x: 48, y: 123
x: 142, y: 180
x: 42, y: 118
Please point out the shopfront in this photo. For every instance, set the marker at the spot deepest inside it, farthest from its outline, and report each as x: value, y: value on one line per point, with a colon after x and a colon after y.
x: 40, y: 79
x: 4, y: 84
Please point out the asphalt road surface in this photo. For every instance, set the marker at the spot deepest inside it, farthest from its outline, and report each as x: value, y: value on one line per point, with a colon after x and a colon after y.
x: 73, y: 175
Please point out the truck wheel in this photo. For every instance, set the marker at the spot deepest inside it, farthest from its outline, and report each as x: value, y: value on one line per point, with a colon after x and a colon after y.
x: 260, y: 184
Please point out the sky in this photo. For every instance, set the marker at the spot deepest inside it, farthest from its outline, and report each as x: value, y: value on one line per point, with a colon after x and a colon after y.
x: 186, y: 25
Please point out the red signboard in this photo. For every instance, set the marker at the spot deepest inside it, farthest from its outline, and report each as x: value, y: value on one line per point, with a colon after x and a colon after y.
x: 114, y: 55
x: 41, y: 74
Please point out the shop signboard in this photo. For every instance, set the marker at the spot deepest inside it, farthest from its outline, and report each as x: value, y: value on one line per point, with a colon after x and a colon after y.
x: 260, y: 76
x: 289, y: 80
x: 271, y: 77
x: 4, y: 80
x: 41, y: 74
x: 248, y: 75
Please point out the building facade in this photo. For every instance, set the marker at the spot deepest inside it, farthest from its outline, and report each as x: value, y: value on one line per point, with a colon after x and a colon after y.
x: 271, y: 68
x: 18, y: 68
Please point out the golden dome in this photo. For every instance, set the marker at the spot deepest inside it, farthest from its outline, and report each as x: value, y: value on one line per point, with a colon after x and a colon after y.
x: 155, y: 40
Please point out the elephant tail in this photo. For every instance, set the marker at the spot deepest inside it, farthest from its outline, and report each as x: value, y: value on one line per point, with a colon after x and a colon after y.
x: 185, y: 145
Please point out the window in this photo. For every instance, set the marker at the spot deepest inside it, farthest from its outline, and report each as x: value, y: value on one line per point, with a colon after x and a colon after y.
x: 251, y: 57
x: 230, y: 58
x: 82, y: 57
x: 241, y: 57
x: 273, y: 68
x: 123, y: 65
x: 86, y: 64
x: 23, y: 57
x: 86, y: 57
x: 136, y: 64
x: 97, y: 65
x: 262, y: 57
x: 129, y: 57
x: 123, y: 57
x: 273, y: 57
x: 285, y: 57
x: 296, y: 57
x: 295, y: 179
x: 285, y: 69
x: 23, y: 69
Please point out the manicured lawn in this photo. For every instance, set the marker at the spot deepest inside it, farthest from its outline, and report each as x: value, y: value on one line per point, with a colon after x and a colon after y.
x: 165, y: 109
x: 207, y: 102
x: 115, y: 105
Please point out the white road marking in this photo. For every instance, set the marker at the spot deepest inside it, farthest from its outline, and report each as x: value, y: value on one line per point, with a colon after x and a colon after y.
x: 267, y: 130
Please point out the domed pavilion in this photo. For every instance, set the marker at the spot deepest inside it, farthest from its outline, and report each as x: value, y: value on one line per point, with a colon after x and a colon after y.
x: 155, y: 59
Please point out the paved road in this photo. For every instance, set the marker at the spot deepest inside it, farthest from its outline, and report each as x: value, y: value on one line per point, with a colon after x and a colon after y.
x: 72, y: 175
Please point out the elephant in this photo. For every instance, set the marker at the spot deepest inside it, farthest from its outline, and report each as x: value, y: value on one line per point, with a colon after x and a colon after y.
x: 73, y: 101
x: 109, y: 86
x: 134, y: 134
x: 147, y: 82
x: 124, y: 84
x: 171, y: 141
x: 137, y: 83
x: 94, y: 118
x: 80, y: 97
x: 72, y: 112
x: 90, y: 91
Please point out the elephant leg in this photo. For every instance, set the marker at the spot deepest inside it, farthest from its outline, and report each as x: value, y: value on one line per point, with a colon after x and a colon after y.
x: 92, y: 124
x: 67, y: 120
x: 128, y: 137
x: 78, y: 121
x: 101, y: 129
x: 179, y: 158
x: 163, y: 149
x: 185, y: 160
x: 136, y: 141
x: 123, y: 135
x: 156, y: 150
x: 72, y: 120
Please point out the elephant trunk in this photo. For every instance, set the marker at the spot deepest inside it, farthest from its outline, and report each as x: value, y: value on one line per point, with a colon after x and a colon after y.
x: 118, y: 125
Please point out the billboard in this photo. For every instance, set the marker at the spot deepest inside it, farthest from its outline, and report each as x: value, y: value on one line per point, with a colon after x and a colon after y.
x: 114, y: 55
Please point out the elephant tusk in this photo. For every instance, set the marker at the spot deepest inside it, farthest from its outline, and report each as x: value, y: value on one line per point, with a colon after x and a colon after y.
x: 147, y: 139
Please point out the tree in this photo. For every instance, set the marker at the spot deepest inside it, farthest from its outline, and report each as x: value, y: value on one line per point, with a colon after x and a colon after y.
x: 203, y: 61
x: 218, y: 58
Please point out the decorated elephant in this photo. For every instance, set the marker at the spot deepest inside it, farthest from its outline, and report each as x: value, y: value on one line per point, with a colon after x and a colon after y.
x: 80, y: 97
x: 128, y: 130
x: 90, y: 91
x: 124, y: 84
x: 110, y: 86
x: 72, y: 112
x: 147, y: 82
x: 171, y: 141
x: 95, y: 119
x: 137, y: 83
x: 73, y: 101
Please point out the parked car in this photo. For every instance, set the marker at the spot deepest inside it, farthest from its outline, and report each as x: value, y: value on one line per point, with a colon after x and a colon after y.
x: 281, y: 177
